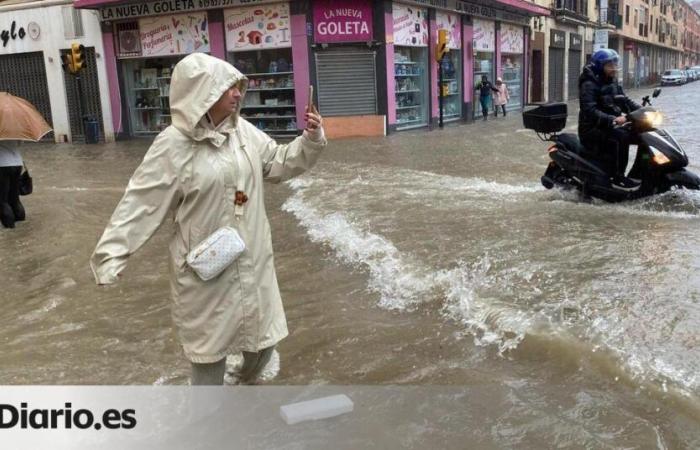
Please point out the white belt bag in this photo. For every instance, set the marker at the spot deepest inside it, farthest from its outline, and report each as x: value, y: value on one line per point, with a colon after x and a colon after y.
x: 213, y: 255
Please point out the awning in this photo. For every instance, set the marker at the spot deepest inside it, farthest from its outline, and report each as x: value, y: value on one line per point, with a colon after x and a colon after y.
x: 523, y: 5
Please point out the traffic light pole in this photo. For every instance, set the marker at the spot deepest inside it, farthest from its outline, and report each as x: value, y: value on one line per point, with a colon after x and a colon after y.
x: 441, y: 89
x: 81, y: 105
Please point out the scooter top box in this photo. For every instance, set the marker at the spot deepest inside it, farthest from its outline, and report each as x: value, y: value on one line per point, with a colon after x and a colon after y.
x: 548, y: 118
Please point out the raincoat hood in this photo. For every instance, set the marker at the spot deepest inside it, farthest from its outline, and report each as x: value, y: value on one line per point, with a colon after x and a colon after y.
x: 198, y: 81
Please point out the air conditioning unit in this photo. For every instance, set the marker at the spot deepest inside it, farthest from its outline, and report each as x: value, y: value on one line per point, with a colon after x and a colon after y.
x: 129, y: 42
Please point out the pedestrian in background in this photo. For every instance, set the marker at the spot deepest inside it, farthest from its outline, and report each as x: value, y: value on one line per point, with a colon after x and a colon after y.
x: 11, y: 209
x: 500, y: 97
x: 486, y: 89
x: 205, y: 172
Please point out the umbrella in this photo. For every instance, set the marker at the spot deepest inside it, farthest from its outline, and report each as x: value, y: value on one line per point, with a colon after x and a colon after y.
x: 19, y: 120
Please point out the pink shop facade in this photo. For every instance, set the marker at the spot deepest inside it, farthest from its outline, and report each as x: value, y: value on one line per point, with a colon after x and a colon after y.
x: 372, y: 59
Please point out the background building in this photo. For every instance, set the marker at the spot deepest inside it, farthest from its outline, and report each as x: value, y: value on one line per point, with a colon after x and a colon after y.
x: 34, y: 35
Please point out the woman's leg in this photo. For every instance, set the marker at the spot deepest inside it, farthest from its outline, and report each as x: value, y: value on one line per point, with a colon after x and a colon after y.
x: 495, y: 111
x: 208, y: 374
x: 13, y: 195
x: 254, y: 363
x: 484, y: 106
x: 504, y: 109
x: 7, y: 216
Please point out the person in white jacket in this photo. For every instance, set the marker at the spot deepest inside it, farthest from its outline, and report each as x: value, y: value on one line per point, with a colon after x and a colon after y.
x: 205, y: 171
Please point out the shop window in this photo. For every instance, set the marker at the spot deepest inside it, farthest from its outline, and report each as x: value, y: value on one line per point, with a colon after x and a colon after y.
x: 411, y: 86
x: 269, y: 101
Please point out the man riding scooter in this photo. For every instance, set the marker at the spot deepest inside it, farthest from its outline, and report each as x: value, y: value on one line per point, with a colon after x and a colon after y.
x: 602, y: 104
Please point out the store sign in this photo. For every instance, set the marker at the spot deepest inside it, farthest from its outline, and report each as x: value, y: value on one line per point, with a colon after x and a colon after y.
x: 174, y: 35
x: 512, y: 40
x: 575, y: 41
x: 12, y: 33
x: 410, y: 26
x: 484, y: 35
x: 342, y: 21
x: 472, y: 9
x: 600, y: 39
x: 557, y: 39
x: 453, y: 24
x: 142, y: 9
x: 258, y: 27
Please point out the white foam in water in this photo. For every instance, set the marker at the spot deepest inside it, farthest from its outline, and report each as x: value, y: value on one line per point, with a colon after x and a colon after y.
x: 402, y: 284
x: 320, y: 408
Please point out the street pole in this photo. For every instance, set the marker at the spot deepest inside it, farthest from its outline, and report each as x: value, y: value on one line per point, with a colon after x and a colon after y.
x: 440, y: 88
x: 81, y: 106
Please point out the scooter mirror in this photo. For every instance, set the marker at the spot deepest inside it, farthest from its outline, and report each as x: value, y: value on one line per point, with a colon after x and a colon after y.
x: 656, y: 93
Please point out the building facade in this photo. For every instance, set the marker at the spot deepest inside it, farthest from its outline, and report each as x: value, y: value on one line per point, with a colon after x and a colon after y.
x: 33, y: 36
x: 373, y: 60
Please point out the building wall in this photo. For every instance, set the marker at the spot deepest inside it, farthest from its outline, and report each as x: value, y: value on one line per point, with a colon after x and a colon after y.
x: 50, y: 41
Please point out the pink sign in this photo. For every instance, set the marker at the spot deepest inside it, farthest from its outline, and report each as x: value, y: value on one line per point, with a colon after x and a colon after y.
x: 342, y: 21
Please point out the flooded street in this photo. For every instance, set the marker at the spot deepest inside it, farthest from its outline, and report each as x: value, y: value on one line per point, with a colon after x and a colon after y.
x: 428, y: 258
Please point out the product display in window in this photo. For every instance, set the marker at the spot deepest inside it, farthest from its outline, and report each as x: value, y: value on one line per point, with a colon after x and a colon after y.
x: 147, y: 85
x: 269, y: 102
x: 410, y: 86
x: 512, y: 77
x: 452, y: 107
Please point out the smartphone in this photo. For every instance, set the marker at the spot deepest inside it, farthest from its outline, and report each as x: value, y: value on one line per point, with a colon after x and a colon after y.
x: 311, y: 97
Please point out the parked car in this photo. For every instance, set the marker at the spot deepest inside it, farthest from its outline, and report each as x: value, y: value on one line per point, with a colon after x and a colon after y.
x: 690, y: 74
x: 673, y: 77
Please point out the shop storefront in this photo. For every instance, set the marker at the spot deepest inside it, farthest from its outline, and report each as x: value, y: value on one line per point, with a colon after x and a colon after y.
x: 259, y: 44
x: 512, y: 62
x: 411, y: 66
x: 147, y: 50
x: 484, y: 45
x: 557, y: 49
x: 345, y: 66
x: 575, y: 61
x: 451, y: 66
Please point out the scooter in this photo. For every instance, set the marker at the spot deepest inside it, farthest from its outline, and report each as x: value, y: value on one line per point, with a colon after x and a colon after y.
x: 659, y: 165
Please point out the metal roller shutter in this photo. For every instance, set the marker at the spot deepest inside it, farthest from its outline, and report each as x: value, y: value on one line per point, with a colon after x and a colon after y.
x: 556, y: 74
x: 574, y: 72
x: 24, y: 75
x: 346, y: 82
x: 91, y: 91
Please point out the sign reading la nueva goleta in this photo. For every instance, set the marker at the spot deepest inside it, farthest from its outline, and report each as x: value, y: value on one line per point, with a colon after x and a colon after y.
x: 142, y: 9
x: 342, y: 21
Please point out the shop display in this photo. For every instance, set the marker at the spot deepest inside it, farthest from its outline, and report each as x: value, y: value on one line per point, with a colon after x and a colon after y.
x: 269, y: 102
x: 148, y: 86
x: 512, y: 77
x: 452, y: 107
x: 410, y: 85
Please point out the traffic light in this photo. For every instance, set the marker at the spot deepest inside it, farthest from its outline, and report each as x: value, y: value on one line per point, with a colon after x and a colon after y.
x: 77, y: 51
x: 67, y: 62
x: 441, y: 48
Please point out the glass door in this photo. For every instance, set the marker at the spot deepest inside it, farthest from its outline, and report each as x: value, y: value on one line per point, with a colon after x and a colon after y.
x: 411, y: 86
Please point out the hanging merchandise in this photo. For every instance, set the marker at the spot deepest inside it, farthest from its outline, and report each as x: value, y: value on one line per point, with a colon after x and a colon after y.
x: 411, y: 66
x: 259, y: 42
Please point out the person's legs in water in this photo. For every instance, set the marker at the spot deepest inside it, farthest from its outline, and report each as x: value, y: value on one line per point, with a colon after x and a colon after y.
x: 504, y: 110
x: 484, y: 106
x: 208, y: 374
x: 13, y: 195
x: 7, y: 216
x: 495, y: 111
x: 253, y: 364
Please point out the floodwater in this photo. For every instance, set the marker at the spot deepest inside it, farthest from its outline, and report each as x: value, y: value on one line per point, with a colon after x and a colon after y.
x: 426, y: 258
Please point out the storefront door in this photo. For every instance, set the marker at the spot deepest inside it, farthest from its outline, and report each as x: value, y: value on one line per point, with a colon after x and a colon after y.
x: 512, y: 61
x: 411, y: 66
x: 556, y: 65
x: 575, y: 46
x: 484, y: 56
x: 451, y: 65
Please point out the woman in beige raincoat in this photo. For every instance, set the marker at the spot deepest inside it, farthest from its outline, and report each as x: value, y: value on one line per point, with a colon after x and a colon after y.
x: 207, y: 170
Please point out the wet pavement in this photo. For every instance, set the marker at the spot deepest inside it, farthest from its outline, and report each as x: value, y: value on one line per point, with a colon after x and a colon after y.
x: 432, y: 258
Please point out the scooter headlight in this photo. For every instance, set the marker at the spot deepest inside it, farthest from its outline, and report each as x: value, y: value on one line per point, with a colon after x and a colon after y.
x: 654, y: 118
x: 658, y: 157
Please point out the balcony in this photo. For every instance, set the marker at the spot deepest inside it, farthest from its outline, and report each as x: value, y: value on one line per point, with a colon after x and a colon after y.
x: 610, y: 18
x: 571, y: 11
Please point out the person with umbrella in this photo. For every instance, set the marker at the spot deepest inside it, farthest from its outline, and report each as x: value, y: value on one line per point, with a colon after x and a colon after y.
x: 19, y: 121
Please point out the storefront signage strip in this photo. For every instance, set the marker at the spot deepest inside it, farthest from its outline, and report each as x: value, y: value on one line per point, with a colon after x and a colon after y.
x: 130, y: 11
x: 13, y: 33
x: 472, y: 9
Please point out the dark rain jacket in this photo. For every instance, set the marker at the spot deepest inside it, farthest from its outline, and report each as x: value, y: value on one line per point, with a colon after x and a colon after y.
x: 598, y: 108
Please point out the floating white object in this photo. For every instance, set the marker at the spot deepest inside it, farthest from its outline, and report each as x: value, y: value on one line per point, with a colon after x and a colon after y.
x: 320, y: 408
